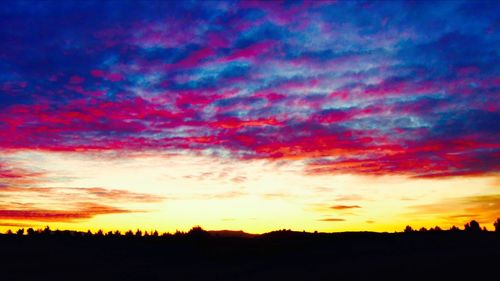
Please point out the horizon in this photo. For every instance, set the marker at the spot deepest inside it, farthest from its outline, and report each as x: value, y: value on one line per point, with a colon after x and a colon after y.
x: 471, y: 227
x: 254, y: 116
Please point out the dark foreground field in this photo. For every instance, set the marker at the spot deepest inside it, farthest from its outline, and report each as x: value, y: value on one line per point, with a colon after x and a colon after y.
x: 278, y: 256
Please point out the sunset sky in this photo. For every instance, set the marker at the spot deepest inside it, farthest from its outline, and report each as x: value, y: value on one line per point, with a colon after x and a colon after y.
x: 247, y: 115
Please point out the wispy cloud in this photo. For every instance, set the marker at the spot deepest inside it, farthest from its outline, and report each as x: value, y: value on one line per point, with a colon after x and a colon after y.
x: 15, y: 224
x: 67, y: 204
x: 332, y: 220
x: 85, y: 194
x: 82, y: 211
x: 344, y: 207
x: 11, y: 174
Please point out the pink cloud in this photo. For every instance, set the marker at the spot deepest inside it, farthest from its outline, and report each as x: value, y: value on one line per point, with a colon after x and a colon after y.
x: 251, y: 52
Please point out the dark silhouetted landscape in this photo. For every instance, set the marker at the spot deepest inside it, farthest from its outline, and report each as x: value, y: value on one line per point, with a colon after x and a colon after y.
x: 470, y: 252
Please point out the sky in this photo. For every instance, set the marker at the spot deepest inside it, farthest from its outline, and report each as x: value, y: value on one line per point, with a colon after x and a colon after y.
x: 249, y: 115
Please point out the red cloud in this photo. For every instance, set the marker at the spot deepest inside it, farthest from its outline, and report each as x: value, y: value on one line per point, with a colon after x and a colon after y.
x: 14, y: 176
x: 195, y: 58
x: 344, y: 207
x: 234, y: 123
x: 251, y: 52
x: 85, y: 211
x: 259, y: 79
x: 86, y: 202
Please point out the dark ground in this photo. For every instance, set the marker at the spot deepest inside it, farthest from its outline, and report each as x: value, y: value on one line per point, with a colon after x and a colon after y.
x: 277, y: 256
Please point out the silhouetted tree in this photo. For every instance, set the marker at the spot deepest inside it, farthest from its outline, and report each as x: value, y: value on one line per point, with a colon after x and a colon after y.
x: 129, y: 233
x: 9, y: 232
x: 155, y: 234
x: 472, y: 227
x: 408, y: 229
x: 198, y: 232
x: 423, y: 229
x: 46, y: 230
x: 138, y: 233
x: 20, y: 232
x: 436, y: 228
x: 30, y: 231
x: 496, y: 224
x: 454, y: 229
x: 118, y: 233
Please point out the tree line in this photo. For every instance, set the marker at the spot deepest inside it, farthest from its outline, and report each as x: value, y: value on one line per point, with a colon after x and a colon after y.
x: 471, y: 227
x: 195, y: 231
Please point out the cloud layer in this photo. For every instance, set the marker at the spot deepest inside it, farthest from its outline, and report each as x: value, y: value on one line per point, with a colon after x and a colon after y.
x: 376, y: 88
x: 47, y: 204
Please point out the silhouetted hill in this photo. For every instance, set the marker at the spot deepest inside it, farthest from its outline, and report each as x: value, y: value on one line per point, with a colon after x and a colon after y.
x: 278, y: 255
x: 231, y: 233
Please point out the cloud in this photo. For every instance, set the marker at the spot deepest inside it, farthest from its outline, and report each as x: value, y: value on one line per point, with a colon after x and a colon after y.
x: 80, y: 193
x: 343, y: 87
x: 11, y: 174
x: 349, y: 197
x: 239, y: 179
x: 222, y: 195
x: 483, y: 208
x: 67, y: 204
x: 121, y: 195
x: 15, y: 224
x: 219, y: 195
x: 332, y: 220
x: 82, y: 212
x: 344, y: 207
x: 276, y: 195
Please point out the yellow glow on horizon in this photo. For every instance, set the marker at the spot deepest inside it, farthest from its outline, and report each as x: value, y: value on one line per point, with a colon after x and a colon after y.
x: 254, y: 196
